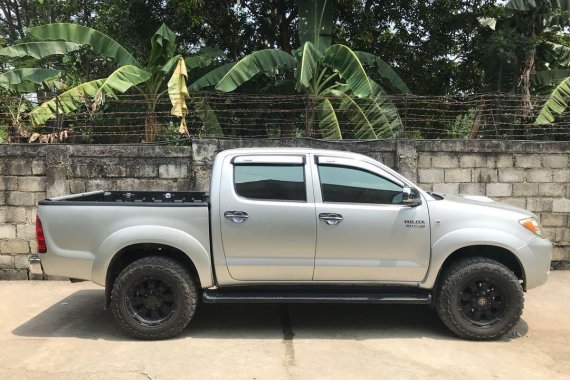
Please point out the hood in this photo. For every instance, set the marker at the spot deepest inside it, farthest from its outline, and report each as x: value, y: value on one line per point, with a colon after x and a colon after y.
x: 482, y: 201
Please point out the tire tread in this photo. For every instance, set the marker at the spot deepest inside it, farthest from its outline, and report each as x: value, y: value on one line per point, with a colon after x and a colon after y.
x: 175, y: 269
x: 454, y: 274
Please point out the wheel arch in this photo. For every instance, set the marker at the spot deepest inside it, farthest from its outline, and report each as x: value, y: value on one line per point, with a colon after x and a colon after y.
x: 498, y: 245
x: 494, y: 252
x: 133, y: 252
x: 500, y: 254
x: 128, y: 244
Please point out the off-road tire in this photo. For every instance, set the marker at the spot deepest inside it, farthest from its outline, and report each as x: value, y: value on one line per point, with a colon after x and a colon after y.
x: 457, y: 277
x: 183, y: 292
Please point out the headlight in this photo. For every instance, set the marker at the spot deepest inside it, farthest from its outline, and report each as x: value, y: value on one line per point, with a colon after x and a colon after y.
x: 532, y: 225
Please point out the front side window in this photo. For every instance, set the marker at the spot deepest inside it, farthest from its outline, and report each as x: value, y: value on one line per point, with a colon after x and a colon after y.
x: 352, y: 185
x: 270, y: 182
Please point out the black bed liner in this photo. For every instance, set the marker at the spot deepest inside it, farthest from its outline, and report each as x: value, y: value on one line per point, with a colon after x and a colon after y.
x: 133, y: 198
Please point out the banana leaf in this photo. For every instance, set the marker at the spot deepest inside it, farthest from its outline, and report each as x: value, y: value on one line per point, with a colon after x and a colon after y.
x: 207, y: 116
x: 549, y: 78
x: 328, y: 121
x: 361, y: 125
x: 345, y: 61
x: 204, y: 58
x: 30, y: 77
x: 263, y: 61
x: 82, y: 35
x: 561, y: 52
x: 384, y: 70
x: 119, y: 81
x: 39, y: 50
x: 162, y: 46
x: 308, y: 58
x: 211, y: 78
x: 556, y: 103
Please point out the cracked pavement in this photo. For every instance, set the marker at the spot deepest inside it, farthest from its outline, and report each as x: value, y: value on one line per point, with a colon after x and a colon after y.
x: 59, y: 330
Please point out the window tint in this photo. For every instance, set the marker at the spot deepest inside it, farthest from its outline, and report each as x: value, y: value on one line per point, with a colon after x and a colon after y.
x: 351, y: 185
x: 271, y: 182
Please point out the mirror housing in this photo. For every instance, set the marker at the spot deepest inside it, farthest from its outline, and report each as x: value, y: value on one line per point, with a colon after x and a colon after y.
x: 411, y: 197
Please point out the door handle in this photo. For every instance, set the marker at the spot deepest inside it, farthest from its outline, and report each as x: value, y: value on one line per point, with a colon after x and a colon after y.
x: 236, y: 216
x: 331, y: 219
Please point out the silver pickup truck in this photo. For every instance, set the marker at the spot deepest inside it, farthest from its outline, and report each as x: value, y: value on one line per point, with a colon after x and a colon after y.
x: 296, y: 225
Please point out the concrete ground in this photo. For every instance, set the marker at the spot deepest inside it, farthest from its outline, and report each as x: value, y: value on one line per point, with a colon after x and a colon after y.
x: 59, y: 330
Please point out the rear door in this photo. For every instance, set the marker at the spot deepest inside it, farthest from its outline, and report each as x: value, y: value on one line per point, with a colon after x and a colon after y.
x: 268, y: 218
x: 364, y: 232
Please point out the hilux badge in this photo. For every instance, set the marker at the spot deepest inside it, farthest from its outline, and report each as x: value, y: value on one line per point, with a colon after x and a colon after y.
x: 414, y: 223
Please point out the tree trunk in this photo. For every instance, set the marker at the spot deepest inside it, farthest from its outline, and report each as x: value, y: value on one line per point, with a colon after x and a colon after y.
x: 476, y: 126
x: 310, y: 116
x: 528, y: 70
x: 150, y: 125
x: 17, y: 134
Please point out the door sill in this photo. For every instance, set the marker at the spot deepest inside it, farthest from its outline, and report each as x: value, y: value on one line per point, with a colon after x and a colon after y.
x: 330, y: 294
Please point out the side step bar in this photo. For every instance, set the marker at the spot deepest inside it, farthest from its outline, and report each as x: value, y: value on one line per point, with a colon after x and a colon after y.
x: 376, y: 296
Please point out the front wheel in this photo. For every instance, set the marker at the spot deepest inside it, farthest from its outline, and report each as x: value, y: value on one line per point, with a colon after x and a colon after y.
x: 154, y: 298
x: 479, y: 299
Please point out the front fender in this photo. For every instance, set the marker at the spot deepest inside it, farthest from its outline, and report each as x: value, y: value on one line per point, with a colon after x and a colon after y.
x: 467, y: 237
x: 152, y: 235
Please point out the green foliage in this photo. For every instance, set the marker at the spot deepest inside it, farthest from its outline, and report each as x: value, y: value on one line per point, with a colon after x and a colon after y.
x: 3, y: 134
x: 39, y: 50
x: 384, y: 70
x: 342, y: 59
x: 308, y: 59
x: 212, y: 78
x: 119, y: 81
x: 65, y: 38
x: 268, y: 61
x: 315, y: 23
x: 328, y: 121
x: 82, y: 35
x: 28, y: 79
x: 325, y: 72
x: 556, y: 103
x: 461, y: 127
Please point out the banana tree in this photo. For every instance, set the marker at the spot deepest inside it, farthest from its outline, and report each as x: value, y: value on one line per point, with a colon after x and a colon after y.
x: 17, y: 82
x: 149, y: 80
x: 334, y: 77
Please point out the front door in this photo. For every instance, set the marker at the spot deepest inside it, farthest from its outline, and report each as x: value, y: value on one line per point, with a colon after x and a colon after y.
x: 268, y: 218
x: 364, y: 233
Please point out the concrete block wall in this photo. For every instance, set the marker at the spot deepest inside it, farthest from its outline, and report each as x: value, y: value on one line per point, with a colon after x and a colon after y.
x: 22, y: 185
x: 533, y: 175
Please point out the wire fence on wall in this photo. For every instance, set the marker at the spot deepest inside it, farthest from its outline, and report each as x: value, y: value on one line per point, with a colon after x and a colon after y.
x: 127, y: 119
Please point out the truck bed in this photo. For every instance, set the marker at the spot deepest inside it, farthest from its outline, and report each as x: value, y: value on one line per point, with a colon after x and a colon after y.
x: 132, y: 198
x: 82, y: 238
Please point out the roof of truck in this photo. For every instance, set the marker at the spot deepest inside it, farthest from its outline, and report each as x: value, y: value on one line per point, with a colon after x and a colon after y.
x: 296, y: 150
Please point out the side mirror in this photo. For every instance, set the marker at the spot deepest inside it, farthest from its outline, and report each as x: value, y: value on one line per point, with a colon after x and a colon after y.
x: 411, y: 197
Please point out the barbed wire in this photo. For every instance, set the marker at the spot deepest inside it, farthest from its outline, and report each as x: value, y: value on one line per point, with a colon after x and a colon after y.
x: 132, y: 119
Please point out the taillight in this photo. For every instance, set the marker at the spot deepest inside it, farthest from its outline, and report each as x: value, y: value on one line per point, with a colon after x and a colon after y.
x: 42, y: 247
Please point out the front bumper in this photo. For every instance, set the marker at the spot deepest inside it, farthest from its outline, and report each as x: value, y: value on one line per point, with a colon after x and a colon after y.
x: 536, y: 256
x: 36, y: 265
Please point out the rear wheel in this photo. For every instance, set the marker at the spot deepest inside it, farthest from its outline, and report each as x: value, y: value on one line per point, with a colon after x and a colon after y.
x: 479, y: 298
x: 154, y: 298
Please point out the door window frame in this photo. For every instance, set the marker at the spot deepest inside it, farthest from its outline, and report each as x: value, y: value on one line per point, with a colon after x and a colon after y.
x: 272, y: 160
x: 351, y: 164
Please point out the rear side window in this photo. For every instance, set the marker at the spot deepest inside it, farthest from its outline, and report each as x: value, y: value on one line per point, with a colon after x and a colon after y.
x: 352, y: 185
x: 270, y: 182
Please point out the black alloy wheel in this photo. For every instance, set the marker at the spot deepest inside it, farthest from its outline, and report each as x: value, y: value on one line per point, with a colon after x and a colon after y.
x: 151, y: 302
x: 479, y: 298
x: 482, y: 302
x: 154, y: 298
